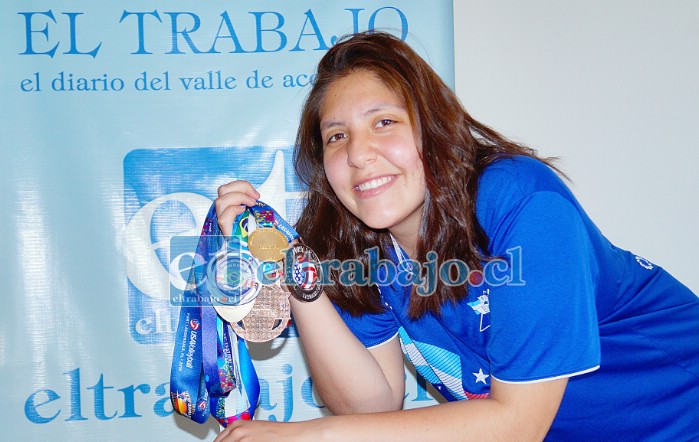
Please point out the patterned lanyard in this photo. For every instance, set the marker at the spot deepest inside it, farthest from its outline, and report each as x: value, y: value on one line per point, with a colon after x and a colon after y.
x: 403, y: 261
x: 211, y: 366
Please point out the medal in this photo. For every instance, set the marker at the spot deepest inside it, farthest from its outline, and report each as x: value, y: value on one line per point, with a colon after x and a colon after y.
x: 232, y: 276
x: 304, y: 280
x: 234, y: 313
x: 267, y: 244
x: 268, y: 318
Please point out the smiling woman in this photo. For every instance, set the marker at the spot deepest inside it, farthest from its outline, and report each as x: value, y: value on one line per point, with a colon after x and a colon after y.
x: 570, y: 348
x: 395, y: 121
x: 371, y: 157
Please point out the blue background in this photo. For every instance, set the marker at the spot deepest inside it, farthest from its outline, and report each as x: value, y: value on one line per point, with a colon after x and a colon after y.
x: 96, y: 182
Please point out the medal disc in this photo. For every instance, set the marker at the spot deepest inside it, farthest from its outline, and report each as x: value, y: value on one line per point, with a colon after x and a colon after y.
x: 234, y: 313
x: 306, y: 274
x: 267, y: 244
x: 268, y: 318
x: 231, y: 278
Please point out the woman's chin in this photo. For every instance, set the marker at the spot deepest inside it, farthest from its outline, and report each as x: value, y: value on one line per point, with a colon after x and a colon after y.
x: 377, y: 223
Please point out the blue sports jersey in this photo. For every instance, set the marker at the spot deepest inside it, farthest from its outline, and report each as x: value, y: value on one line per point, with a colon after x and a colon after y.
x: 568, y: 304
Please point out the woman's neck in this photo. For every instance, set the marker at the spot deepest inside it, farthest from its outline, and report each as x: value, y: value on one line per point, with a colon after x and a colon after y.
x: 407, y: 242
x: 406, y: 233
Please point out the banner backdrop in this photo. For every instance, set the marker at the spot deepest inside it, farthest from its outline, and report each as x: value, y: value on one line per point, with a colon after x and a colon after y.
x: 119, y: 121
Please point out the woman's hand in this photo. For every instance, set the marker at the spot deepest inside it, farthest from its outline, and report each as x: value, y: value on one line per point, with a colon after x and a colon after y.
x: 231, y: 202
x: 265, y: 431
x: 512, y: 412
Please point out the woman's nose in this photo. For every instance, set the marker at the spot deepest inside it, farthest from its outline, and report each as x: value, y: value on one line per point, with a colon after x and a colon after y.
x: 360, y: 150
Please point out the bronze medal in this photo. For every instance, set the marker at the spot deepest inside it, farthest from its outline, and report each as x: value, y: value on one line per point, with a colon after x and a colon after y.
x: 268, y: 318
x: 267, y: 244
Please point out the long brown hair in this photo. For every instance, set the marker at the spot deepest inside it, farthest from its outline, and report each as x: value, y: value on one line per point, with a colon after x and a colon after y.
x: 455, y: 150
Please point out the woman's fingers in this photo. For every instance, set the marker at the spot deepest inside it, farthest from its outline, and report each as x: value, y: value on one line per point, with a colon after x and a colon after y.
x: 231, y: 202
x: 226, y: 218
x: 238, y: 186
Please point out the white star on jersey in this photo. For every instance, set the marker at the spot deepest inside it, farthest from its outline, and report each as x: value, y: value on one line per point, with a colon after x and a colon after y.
x: 480, y: 376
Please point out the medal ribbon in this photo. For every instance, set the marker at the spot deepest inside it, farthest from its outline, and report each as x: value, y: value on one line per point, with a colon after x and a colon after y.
x: 266, y: 216
x: 210, y: 361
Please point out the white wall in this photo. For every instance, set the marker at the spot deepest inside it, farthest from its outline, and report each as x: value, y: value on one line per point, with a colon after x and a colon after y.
x: 611, y: 87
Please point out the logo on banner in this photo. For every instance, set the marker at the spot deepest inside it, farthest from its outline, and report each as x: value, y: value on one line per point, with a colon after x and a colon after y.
x: 167, y: 194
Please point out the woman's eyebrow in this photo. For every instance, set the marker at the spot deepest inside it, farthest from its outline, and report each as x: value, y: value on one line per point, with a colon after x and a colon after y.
x: 328, y: 124
x: 383, y: 106
x: 378, y: 107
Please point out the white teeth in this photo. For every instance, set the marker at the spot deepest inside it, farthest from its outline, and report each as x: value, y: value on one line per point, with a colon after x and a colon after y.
x: 373, y: 184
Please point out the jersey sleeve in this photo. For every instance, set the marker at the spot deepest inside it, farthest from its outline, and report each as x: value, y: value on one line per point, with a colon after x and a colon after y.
x: 372, y: 329
x: 543, y: 319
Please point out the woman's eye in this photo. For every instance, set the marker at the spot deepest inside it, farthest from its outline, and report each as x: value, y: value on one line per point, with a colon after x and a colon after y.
x: 335, y: 137
x: 385, y: 122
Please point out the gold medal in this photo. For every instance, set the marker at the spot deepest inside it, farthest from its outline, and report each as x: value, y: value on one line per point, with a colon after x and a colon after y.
x: 267, y: 244
x: 268, y: 318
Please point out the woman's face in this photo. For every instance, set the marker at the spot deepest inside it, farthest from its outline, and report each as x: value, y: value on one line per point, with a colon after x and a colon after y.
x: 370, y: 154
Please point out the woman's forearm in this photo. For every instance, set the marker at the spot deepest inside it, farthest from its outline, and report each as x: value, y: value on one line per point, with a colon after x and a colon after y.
x: 345, y: 374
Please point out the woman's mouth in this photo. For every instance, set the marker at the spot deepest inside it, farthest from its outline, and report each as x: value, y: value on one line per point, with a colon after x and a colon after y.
x: 374, y: 183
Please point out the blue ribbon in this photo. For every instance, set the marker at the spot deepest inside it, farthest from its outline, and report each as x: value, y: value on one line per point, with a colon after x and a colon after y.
x: 204, y: 369
x: 280, y: 223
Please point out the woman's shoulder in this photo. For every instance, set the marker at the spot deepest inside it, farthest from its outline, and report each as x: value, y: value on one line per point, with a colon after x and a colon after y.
x: 509, y: 181
x: 521, y: 174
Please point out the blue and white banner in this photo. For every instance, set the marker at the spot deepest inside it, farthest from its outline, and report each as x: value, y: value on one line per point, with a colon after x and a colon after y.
x: 119, y: 122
